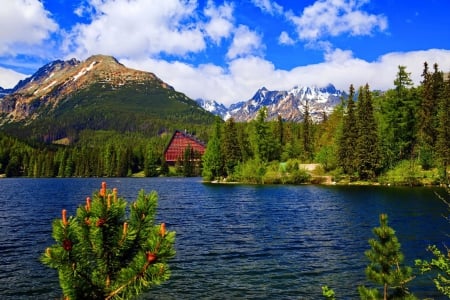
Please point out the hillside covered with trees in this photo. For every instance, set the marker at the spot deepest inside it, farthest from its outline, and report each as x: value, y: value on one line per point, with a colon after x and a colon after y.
x: 398, y: 136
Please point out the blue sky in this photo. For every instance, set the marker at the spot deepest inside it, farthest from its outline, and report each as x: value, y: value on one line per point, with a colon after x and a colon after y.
x: 226, y: 50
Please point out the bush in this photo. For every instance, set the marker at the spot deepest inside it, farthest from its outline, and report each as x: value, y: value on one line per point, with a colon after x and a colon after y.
x: 252, y: 171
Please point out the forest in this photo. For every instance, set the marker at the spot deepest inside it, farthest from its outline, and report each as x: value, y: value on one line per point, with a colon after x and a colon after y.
x: 398, y: 136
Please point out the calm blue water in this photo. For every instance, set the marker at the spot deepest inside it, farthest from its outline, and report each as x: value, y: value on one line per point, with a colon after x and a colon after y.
x: 233, y: 241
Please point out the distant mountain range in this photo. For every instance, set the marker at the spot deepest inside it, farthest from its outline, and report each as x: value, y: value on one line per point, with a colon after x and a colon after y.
x: 290, y: 105
x: 65, y: 97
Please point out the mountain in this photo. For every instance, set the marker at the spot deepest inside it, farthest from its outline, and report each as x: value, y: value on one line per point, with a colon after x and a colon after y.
x: 289, y: 104
x: 65, y: 97
x: 213, y: 107
x: 4, y: 92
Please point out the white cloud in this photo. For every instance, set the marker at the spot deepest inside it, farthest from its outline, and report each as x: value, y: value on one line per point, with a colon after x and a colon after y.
x: 245, y: 42
x: 335, y: 17
x: 268, y: 6
x: 137, y: 28
x: 9, y: 78
x: 221, y: 21
x: 244, y: 76
x: 285, y: 39
x: 24, y: 23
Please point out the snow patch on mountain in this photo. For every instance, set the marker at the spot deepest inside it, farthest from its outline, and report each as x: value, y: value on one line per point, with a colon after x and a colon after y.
x: 290, y: 105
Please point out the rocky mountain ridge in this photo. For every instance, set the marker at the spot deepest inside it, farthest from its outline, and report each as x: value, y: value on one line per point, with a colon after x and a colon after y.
x: 290, y: 105
x: 64, y: 98
x: 59, y: 79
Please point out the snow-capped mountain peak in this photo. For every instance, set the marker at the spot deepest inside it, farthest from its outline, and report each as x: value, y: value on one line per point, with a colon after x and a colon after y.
x: 289, y: 104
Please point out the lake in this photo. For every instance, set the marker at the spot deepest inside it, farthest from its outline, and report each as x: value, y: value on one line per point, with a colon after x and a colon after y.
x: 233, y: 241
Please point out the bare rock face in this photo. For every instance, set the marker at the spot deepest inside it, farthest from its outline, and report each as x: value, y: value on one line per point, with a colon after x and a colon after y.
x: 290, y: 105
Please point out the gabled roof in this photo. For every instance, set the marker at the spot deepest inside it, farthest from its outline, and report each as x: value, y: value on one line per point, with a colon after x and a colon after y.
x: 173, y: 152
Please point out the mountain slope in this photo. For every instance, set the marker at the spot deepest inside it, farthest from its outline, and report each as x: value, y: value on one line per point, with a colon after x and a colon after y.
x: 66, y: 97
x: 289, y: 104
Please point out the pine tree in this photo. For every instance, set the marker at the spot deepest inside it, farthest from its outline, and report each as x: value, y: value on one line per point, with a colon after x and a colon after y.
x: 230, y: 146
x: 432, y: 86
x: 213, y: 165
x: 103, y: 254
x: 443, y: 137
x: 348, y: 139
x: 402, y: 120
x: 367, y: 146
x: 385, y: 268
x: 307, y: 135
x: 261, y: 138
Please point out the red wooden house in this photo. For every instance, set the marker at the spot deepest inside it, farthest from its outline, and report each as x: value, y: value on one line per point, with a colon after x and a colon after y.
x: 178, y: 144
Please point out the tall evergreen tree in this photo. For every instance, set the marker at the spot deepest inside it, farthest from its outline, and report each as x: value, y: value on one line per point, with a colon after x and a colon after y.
x: 432, y: 86
x: 443, y: 137
x: 213, y: 165
x: 231, y: 149
x: 261, y: 139
x: 385, y: 266
x: 403, y: 119
x: 349, y: 137
x: 367, y: 146
x: 307, y: 135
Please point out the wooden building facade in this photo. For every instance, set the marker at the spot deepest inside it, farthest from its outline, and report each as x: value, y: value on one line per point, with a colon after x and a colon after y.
x: 178, y: 144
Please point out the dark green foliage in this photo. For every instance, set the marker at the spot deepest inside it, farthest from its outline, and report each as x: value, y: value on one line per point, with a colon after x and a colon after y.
x: 103, y: 253
x: 349, y: 137
x: 307, y: 135
x: 230, y: 146
x: 439, y: 265
x: 398, y: 120
x: 443, y: 130
x: 385, y: 267
x: 367, y: 144
x: 359, y: 140
x: 191, y: 162
x: 433, y: 84
x: 213, y: 164
x: 261, y: 138
x: 144, y: 108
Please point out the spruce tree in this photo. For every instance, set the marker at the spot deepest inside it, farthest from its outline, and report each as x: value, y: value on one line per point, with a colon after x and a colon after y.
x: 432, y: 86
x: 402, y: 120
x: 101, y: 253
x: 385, y: 266
x: 261, y: 141
x: 230, y: 146
x: 443, y: 137
x: 307, y: 135
x: 348, y: 139
x: 213, y: 163
x: 367, y: 145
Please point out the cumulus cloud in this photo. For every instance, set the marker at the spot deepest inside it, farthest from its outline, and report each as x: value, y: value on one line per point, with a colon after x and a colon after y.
x: 136, y: 28
x: 242, y: 77
x: 285, y: 39
x: 327, y: 18
x: 268, y: 6
x: 24, y: 23
x: 221, y: 20
x: 245, y: 42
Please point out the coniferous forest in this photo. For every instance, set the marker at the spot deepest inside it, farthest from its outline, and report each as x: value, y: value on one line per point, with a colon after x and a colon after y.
x: 398, y: 136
